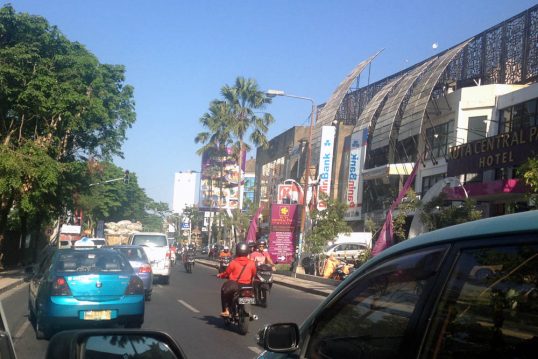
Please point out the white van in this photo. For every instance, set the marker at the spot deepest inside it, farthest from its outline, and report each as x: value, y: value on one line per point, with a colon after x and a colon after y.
x: 158, y: 252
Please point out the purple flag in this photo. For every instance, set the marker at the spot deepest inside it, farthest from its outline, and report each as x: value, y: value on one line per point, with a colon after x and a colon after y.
x: 384, y: 240
x: 253, y: 228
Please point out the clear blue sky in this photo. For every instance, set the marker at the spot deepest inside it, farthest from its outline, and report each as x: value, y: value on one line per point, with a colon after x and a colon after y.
x: 178, y: 55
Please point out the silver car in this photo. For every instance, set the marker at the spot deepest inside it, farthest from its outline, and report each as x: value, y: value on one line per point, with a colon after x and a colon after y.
x: 139, y: 261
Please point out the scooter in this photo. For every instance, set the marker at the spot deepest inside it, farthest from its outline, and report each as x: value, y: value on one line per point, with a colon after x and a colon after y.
x: 342, y: 270
x: 262, y: 283
x: 240, y: 311
x: 224, y: 262
x: 189, y: 262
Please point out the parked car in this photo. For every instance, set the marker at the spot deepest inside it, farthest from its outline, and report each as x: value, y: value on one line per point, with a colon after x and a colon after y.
x: 80, y: 287
x: 346, y: 250
x: 422, y: 299
x: 139, y: 261
x: 158, y: 252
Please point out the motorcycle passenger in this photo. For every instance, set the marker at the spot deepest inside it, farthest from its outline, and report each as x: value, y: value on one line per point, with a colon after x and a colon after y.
x: 261, y: 255
x: 240, y: 271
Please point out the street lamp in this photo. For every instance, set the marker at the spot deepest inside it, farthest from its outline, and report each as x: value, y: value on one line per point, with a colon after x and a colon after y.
x: 273, y: 93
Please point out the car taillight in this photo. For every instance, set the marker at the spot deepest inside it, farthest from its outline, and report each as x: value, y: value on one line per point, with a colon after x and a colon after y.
x: 135, y: 286
x: 146, y: 268
x: 60, y: 287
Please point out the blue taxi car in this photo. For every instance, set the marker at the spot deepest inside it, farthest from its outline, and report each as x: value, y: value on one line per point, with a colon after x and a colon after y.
x: 83, y: 287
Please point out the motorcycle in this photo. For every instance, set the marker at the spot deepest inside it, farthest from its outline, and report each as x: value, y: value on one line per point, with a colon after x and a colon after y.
x: 262, y: 283
x: 224, y: 262
x: 240, y: 310
x: 342, y: 271
x: 189, y: 262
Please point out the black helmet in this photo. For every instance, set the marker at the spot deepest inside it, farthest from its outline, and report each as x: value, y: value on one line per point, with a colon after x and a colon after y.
x: 241, y: 249
x: 262, y: 242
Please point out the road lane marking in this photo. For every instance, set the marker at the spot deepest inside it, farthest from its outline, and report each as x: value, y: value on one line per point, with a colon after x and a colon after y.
x: 21, y: 330
x: 255, y: 350
x: 188, y: 306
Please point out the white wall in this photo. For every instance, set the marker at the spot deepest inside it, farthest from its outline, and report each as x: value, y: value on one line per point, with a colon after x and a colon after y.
x: 186, y: 190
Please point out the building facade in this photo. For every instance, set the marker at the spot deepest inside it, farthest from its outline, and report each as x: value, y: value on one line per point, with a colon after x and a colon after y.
x: 186, y: 190
x: 468, y: 112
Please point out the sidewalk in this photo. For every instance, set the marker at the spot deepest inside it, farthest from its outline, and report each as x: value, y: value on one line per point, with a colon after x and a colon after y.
x: 11, y: 278
x: 317, y: 286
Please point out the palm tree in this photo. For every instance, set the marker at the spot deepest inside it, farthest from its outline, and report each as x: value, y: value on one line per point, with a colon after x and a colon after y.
x: 243, y: 98
x: 215, y: 140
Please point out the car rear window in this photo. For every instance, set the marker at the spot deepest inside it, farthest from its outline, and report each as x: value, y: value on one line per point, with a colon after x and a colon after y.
x: 91, y: 262
x: 134, y: 254
x: 150, y: 240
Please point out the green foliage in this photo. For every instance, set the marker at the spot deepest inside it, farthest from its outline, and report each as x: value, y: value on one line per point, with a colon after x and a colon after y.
x: 529, y: 172
x: 327, y: 224
x: 408, y: 205
x: 436, y: 214
x: 59, y: 106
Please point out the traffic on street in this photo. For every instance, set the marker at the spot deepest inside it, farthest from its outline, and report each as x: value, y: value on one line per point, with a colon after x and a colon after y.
x: 187, y: 308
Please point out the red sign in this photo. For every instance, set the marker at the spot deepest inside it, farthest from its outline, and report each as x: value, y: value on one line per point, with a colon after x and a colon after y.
x: 290, y: 194
x: 282, y: 246
x: 284, y: 215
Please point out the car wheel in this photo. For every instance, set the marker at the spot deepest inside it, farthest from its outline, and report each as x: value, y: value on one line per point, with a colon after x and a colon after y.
x: 148, y: 297
x: 165, y: 279
x: 41, y: 330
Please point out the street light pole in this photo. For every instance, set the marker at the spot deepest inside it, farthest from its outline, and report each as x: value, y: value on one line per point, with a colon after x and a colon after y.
x: 272, y: 93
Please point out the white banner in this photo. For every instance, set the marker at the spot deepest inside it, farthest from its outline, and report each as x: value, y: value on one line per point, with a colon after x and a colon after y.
x: 355, y: 183
x: 325, y: 163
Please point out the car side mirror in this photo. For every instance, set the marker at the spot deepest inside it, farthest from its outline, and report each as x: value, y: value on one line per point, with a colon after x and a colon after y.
x: 279, y: 338
x: 112, y: 343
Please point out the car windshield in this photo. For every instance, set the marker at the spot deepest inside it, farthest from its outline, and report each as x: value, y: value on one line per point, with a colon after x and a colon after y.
x: 150, y: 240
x: 330, y: 247
x: 91, y: 262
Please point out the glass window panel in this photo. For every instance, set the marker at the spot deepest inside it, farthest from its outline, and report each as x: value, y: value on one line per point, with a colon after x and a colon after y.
x: 489, y: 307
x: 371, y: 320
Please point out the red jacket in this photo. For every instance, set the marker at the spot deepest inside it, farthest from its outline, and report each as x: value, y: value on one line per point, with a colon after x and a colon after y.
x: 235, y: 268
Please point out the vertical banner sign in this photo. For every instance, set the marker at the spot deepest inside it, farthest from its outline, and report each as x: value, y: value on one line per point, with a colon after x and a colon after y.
x: 354, y: 182
x: 284, y: 220
x: 325, y: 163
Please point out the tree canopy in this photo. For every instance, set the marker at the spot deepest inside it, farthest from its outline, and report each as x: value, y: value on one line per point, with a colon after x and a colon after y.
x: 59, y: 108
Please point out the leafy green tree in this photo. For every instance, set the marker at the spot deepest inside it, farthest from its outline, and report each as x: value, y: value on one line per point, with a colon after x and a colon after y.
x: 407, y: 206
x: 529, y: 173
x: 59, y: 106
x: 437, y: 214
x: 327, y: 224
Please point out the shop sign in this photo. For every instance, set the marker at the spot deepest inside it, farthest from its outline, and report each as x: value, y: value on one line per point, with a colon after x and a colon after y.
x: 504, y: 150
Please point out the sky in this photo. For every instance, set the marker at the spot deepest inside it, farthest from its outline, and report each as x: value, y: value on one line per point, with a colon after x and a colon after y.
x: 179, y: 54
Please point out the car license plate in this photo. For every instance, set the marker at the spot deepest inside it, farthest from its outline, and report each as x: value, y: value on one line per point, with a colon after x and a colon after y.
x: 246, y: 300
x: 98, y: 315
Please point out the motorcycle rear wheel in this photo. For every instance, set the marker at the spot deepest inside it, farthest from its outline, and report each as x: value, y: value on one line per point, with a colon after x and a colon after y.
x: 243, y: 321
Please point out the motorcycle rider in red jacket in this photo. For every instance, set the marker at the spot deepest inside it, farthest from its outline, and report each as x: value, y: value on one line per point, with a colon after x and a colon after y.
x: 240, y: 271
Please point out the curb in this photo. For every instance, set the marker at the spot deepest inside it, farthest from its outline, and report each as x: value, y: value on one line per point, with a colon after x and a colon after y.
x: 276, y: 280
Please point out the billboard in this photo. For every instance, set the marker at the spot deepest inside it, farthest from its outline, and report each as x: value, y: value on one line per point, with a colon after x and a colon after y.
x: 284, y: 217
x: 219, y: 180
x: 325, y: 163
x: 354, y: 180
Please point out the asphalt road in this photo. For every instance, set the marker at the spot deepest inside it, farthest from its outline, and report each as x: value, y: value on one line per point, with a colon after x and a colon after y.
x: 188, y: 310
